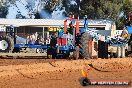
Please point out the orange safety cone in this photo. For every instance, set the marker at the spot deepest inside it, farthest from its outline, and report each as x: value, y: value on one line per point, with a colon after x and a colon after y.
x: 84, y: 74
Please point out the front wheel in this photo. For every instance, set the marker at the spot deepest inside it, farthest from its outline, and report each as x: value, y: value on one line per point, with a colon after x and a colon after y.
x: 6, y: 44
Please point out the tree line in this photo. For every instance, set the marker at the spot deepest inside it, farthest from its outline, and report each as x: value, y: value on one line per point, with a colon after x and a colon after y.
x: 116, y: 10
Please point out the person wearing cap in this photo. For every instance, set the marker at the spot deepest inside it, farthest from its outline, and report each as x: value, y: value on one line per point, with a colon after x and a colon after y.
x: 70, y: 26
x: 37, y: 41
x: 30, y: 39
x: 70, y: 29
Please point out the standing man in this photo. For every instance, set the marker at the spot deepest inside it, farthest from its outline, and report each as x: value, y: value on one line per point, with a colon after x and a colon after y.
x: 53, y: 45
x: 86, y: 22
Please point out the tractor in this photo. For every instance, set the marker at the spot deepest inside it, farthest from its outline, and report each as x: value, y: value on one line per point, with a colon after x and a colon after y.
x: 10, y: 42
x: 76, y: 42
x: 71, y: 42
x: 7, y: 39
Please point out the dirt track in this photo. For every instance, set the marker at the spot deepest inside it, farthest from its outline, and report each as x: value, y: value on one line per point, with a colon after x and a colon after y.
x: 33, y: 73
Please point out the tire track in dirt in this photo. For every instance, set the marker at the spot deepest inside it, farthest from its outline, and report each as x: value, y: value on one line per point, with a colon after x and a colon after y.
x: 18, y: 70
x: 28, y: 69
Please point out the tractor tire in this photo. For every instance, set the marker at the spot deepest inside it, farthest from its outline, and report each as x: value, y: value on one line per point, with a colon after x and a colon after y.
x: 85, y: 40
x: 74, y: 55
x: 6, y: 44
x: 75, y: 52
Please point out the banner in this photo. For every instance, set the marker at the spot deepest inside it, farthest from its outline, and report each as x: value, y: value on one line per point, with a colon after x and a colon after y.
x: 53, y: 29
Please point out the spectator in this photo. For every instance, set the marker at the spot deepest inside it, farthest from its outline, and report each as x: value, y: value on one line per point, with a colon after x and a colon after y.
x: 41, y: 41
x: 53, y: 45
x: 70, y: 29
x: 124, y: 33
x: 37, y: 41
x: 86, y: 22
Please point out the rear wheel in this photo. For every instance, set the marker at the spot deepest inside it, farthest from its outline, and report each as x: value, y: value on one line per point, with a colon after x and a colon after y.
x: 6, y: 44
x: 76, y: 53
x: 86, y: 45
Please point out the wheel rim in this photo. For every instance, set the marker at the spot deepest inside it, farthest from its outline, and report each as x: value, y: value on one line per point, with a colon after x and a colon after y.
x: 3, y: 45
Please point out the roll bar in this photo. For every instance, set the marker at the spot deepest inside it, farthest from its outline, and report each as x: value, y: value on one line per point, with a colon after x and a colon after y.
x: 76, y: 26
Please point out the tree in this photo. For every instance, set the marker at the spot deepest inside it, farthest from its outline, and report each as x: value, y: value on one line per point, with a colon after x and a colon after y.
x: 101, y: 8
x: 3, y: 8
x: 127, y: 8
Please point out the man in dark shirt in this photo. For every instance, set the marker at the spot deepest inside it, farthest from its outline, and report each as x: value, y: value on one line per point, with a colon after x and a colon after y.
x: 53, y: 45
x: 70, y: 29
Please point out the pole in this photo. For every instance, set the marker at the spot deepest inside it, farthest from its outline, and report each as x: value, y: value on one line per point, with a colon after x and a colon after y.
x: 43, y: 33
x: 79, y: 9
